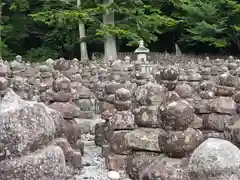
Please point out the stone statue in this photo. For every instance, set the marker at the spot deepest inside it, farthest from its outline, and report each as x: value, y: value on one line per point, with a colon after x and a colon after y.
x: 141, y: 44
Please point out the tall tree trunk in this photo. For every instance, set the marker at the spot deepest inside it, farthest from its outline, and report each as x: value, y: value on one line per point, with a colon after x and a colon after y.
x: 110, y: 49
x: 82, y: 34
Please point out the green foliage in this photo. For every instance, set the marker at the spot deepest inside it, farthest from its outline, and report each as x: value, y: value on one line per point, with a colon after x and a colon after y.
x: 5, y: 51
x: 40, y: 54
x: 142, y: 21
x: 215, y: 23
x: 134, y: 21
x: 41, y: 29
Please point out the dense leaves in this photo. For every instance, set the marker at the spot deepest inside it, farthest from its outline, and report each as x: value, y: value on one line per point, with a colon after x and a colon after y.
x: 38, y: 29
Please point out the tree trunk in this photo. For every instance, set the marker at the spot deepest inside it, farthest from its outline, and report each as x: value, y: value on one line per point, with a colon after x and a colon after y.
x: 83, y: 45
x: 110, y: 49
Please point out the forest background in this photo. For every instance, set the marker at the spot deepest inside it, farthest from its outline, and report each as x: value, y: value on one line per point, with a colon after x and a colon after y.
x: 41, y: 29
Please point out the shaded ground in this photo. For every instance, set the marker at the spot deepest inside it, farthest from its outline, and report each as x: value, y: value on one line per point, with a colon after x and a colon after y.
x: 94, y: 165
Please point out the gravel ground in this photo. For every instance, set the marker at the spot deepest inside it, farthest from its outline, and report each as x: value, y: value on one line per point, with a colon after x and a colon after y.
x: 94, y: 165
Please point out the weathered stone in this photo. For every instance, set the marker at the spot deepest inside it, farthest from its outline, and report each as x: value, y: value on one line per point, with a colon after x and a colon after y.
x: 80, y: 146
x: 177, y: 115
x: 224, y: 91
x: 194, y: 76
x: 184, y: 90
x: 231, y: 132
x: 76, y: 160
x: 206, y: 94
x: 224, y: 105
x: 146, y: 116
x: 122, y: 120
x: 165, y: 168
x: 62, y: 96
x: 137, y: 161
x: 123, y: 94
x: 25, y: 125
x: 63, y: 144
x: 170, y: 85
x: 85, y: 104
x: 172, y: 96
x: 62, y: 64
x: 170, y: 73
x: 197, y: 123
x: 100, y: 136
x: 85, y: 126
x: 227, y: 79
x: 84, y: 114
x: 106, y: 150
x: 217, y: 122
x: 236, y: 97
x: 214, y: 159
x: 180, y: 143
x: 145, y: 139
x: 4, y: 70
x: 118, y: 143
x: 116, y: 162
x: 215, y: 70
x: 3, y: 83
x: 45, y: 164
x: 83, y: 92
x: 213, y: 134
x: 72, y: 157
x: 122, y: 105
x: 151, y: 94
x: 62, y: 83
x: 72, y: 131
x: 67, y: 109
x: 110, y: 98
x: 207, y: 86
x: 203, y: 106
x: 105, y: 106
x: 112, y: 87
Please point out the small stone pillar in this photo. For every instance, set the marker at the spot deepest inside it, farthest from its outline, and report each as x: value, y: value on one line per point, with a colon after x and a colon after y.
x: 141, y: 52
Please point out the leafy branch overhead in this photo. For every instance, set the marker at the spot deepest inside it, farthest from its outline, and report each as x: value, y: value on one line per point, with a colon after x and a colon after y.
x: 215, y: 23
x: 133, y: 21
x: 38, y: 29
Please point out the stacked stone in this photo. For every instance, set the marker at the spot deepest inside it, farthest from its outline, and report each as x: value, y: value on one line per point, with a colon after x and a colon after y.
x: 105, y: 108
x: 75, y: 98
x: 218, y: 67
x: 17, y: 66
x: 216, y: 106
x: 115, y: 108
x: 87, y: 74
x: 4, y: 84
x: 119, y: 125
x: 61, y: 97
x: 166, y: 134
x: 20, y: 78
x: 168, y: 77
x: 87, y: 101
x: 143, y: 141
x: 33, y: 140
x: 194, y: 78
x: 46, y: 78
x: 205, y: 69
x: 228, y: 103
x: 99, y: 89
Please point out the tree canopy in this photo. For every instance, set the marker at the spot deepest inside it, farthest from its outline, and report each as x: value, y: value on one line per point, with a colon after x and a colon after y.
x: 39, y: 29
